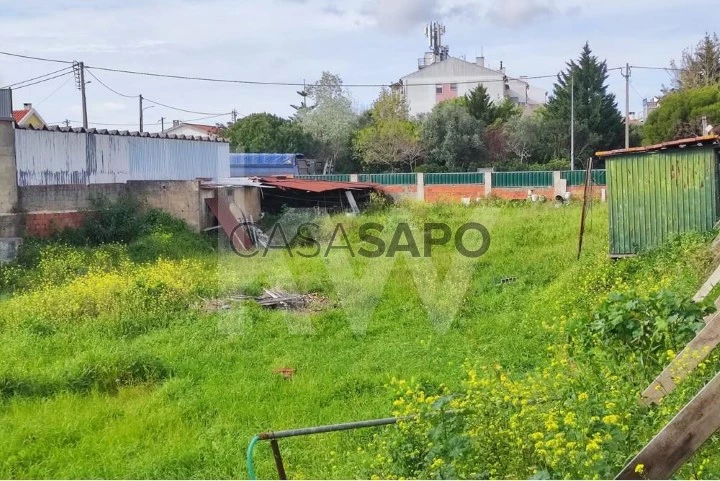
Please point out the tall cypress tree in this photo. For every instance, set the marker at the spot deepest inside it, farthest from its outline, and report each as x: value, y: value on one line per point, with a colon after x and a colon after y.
x: 598, y: 123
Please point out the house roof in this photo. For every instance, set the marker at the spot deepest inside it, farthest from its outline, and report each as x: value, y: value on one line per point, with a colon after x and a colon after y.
x: 702, y: 141
x: 126, y: 133
x: 207, y: 129
x: 18, y: 115
x: 458, y: 66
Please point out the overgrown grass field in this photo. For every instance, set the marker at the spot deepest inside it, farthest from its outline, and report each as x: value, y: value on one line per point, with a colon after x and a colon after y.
x: 116, y: 365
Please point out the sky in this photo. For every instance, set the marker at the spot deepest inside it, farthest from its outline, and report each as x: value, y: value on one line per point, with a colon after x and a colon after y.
x: 364, y: 41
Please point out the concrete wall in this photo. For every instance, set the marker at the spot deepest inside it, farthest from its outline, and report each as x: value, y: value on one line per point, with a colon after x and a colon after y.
x: 8, y: 172
x: 248, y: 200
x: 65, y: 204
x: 58, y: 198
x: 179, y: 198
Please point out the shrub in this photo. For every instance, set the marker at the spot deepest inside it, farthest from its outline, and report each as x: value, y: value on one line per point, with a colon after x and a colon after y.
x: 650, y: 325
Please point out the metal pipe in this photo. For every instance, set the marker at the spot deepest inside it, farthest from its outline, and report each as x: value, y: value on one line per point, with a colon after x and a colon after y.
x: 288, y: 433
x: 328, y: 428
x: 278, y: 459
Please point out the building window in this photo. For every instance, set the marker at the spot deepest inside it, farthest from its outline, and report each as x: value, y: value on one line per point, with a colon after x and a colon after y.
x: 453, y: 87
x: 438, y: 88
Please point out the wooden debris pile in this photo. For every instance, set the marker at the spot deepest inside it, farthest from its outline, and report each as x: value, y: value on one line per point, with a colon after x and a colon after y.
x: 273, y: 299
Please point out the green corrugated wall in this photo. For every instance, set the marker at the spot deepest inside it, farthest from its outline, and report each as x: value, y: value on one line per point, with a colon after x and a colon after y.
x: 653, y: 196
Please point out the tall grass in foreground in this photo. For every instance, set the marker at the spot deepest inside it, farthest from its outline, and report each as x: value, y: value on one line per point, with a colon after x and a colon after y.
x: 113, y: 368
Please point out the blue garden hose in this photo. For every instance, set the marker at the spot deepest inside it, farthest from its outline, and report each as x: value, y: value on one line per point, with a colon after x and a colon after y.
x: 250, y: 465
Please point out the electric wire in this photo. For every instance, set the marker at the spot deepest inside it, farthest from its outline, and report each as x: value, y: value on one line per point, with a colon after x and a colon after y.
x: 35, y: 78
x: 41, y: 81
x: 153, y: 101
x: 54, y: 91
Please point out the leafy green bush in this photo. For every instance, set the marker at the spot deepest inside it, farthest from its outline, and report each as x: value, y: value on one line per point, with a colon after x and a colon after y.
x: 650, y: 324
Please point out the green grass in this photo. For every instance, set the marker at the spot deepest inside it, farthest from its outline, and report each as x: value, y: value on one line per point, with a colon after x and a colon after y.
x: 123, y: 377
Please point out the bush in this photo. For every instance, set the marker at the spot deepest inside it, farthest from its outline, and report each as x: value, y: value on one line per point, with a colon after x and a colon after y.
x: 650, y: 325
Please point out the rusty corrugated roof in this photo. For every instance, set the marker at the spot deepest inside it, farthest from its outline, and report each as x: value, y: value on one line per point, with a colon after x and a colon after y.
x: 689, y: 142
x: 316, y: 186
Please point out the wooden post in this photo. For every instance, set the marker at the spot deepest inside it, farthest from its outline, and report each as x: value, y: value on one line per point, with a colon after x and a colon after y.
x: 680, y: 438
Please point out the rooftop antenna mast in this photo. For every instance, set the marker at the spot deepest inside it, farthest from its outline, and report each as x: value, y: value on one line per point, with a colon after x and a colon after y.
x: 434, y: 32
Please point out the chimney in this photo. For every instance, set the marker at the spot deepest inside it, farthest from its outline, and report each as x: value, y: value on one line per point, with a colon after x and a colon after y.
x: 176, y: 123
x: 480, y: 61
x: 27, y: 106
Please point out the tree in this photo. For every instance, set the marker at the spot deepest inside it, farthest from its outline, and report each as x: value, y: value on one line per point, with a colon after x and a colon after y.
x: 331, y: 121
x: 597, y: 119
x: 680, y: 114
x: 522, y: 136
x: 262, y: 132
x: 453, y: 138
x: 700, y: 66
x: 506, y: 111
x: 479, y: 105
x: 390, y: 140
x: 482, y: 108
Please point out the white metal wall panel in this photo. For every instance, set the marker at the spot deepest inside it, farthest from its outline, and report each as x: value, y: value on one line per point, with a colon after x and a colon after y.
x: 53, y: 158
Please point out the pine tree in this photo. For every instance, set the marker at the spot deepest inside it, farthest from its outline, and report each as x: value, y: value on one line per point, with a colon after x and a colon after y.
x: 598, y: 123
x: 699, y: 67
x: 479, y: 105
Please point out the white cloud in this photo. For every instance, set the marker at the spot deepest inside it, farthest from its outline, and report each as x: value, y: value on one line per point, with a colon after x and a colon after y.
x: 513, y: 13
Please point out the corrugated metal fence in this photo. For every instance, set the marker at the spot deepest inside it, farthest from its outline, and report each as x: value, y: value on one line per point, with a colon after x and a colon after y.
x: 389, y: 179
x: 522, y: 179
x: 54, y: 157
x: 577, y: 177
x: 328, y: 177
x: 455, y: 178
x: 500, y: 179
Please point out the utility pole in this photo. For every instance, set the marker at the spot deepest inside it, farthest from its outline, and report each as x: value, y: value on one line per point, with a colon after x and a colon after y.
x: 162, y: 124
x: 572, y: 120
x: 627, y: 105
x: 140, y: 97
x: 234, y: 115
x: 66, y: 122
x: 79, y: 70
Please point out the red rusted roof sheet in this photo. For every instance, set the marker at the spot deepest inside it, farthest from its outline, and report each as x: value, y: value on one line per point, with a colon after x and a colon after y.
x: 316, y: 186
x: 237, y: 235
x: 705, y: 139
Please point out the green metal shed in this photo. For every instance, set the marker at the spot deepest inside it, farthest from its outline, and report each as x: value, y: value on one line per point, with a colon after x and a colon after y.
x: 658, y: 191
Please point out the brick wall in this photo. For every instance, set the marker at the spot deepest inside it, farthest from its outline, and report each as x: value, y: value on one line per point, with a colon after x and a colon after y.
x: 521, y: 193
x: 454, y: 192
x: 43, y: 224
x: 400, y: 191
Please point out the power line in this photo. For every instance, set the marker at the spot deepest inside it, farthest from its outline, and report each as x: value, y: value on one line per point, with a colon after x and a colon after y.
x: 153, y: 101
x: 96, y: 123
x: 9, y: 54
x: 205, y: 118
x: 669, y: 69
x: 184, y: 110
x: 35, y: 78
x: 54, y: 91
x: 44, y: 80
x: 256, y: 82
x: 108, y: 87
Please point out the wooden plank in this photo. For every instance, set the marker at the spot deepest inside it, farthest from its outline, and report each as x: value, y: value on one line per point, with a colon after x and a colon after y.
x: 695, y: 352
x: 708, y: 285
x: 680, y: 438
x: 351, y: 200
